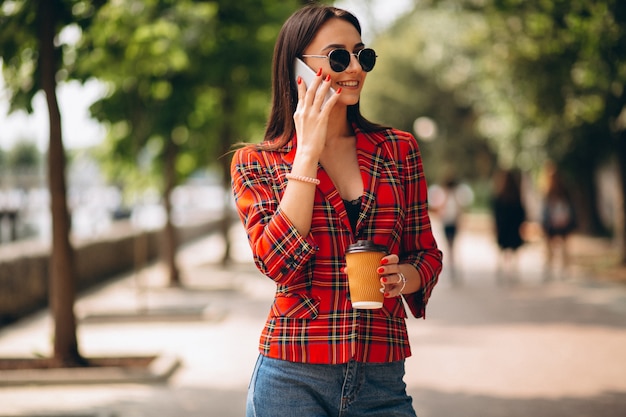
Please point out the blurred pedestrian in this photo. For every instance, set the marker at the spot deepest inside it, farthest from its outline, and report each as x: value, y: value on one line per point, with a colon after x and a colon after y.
x: 509, y: 216
x: 323, y: 178
x: 449, y: 201
x: 558, y: 220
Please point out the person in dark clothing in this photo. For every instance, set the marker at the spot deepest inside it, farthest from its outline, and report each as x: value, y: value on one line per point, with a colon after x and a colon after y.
x: 558, y: 219
x: 509, y: 216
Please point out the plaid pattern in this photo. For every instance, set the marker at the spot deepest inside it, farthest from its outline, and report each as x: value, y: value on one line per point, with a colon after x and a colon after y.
x: 311, y: 319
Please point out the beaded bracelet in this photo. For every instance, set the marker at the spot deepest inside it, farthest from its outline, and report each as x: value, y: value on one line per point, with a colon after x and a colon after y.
x: 302, y: 178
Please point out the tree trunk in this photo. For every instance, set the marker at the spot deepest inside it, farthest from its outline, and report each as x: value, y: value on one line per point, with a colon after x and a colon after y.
x: 585, y: 195
x: 621, y: 158
x: 227, y: 220
x: 62, y: 268
x: 170, y: 237
x: 226, y: 140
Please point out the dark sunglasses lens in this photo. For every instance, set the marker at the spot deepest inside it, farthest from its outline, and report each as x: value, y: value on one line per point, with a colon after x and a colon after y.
x: 339, y: 60
x: 367, y: 59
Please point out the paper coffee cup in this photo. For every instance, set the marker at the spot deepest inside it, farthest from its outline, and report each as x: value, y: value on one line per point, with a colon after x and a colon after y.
x: 362, y: 261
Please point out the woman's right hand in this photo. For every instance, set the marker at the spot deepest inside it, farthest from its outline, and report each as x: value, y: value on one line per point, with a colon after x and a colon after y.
x: 311, y: 122
x: 312, y: 114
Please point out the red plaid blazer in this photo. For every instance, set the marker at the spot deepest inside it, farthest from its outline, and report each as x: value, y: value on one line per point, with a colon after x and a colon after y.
x: 311, y: 319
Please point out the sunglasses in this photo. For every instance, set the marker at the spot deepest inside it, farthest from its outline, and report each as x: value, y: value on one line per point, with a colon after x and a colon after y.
x: 339, y: 59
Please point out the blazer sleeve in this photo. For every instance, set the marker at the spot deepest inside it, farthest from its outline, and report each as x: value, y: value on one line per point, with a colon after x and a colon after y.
x: 279, y: 250
x: 419, y: 247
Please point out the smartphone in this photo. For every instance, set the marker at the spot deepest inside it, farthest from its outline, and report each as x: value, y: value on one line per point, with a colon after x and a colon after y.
x: 307, y: 74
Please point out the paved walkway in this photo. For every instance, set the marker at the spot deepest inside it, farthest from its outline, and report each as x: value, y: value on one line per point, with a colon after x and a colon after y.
x: 489, y: 347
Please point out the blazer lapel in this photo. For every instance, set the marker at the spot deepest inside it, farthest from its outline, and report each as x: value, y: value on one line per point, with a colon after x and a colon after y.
x: 369, y: 155
x: 331, y: 195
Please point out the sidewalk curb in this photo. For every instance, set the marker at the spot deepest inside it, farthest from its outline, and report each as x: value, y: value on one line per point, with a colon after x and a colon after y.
x: 160, y: 369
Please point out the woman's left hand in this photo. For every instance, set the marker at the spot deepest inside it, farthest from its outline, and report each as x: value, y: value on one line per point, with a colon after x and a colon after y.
x: 390, y: 276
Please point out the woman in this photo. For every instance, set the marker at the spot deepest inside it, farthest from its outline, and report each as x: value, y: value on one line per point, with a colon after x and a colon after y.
x: 558, y: 219
x: 509, y: 216
x: 323, y: 178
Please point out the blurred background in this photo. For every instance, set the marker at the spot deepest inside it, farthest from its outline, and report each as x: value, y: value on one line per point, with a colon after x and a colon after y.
x: 123, y: 113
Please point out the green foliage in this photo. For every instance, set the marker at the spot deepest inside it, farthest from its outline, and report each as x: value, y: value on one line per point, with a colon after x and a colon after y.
x: 24, y: 155
x: 19, y: 52
x: 569, y: 57
x: 192, y: 73
x: 20, y: 48
x: 535, y: 80
x: 438, y: 72
x: 144, y: 51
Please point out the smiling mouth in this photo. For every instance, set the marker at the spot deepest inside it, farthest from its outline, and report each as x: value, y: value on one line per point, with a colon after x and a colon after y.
x: 348, y: 84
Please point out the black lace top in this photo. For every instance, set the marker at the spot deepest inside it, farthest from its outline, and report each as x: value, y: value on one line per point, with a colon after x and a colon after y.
x: 353, y: 208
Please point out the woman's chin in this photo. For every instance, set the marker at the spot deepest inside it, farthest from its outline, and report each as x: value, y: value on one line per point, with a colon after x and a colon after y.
x: 349, y: 99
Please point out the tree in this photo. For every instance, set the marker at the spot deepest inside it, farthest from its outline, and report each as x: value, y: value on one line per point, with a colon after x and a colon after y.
x: 31, y: 62
x: 570, y: 57
x: 186, y: 79
x: 437, y: 74
x: 539, y: 81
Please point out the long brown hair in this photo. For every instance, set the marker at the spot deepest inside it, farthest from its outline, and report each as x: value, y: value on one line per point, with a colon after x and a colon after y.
x: 296, y: 34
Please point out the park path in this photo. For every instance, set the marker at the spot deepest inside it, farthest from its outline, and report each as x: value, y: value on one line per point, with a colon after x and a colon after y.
x: 489, y: 347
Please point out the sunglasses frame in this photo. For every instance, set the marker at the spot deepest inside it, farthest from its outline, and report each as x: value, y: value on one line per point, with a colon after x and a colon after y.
x: 350, y: 54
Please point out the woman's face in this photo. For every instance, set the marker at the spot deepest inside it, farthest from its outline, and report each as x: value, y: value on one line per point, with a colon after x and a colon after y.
x: 338, y: 34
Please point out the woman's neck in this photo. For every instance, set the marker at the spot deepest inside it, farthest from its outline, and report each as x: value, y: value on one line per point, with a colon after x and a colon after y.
x: 338, y: 125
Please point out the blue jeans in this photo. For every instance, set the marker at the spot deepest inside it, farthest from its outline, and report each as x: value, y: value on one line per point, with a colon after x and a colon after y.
x: 287, y: 389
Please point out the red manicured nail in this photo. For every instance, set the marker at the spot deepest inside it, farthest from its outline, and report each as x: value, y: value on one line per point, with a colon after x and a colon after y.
x: 319, y: 72
x: 299, y: 80
x: 328, y: 77
x: 383, y: 261
x: 383, y: 279
x: 380, y: 270
x: 386, y: 294
x: 339, y: 90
